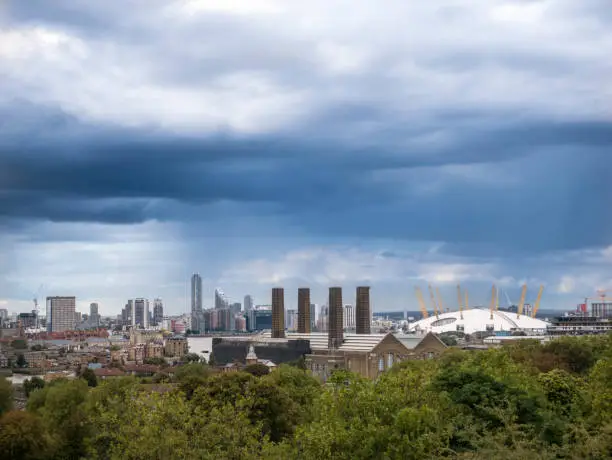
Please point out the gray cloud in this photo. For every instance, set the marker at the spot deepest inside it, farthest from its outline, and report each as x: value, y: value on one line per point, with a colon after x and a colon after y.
x: 491, y: 134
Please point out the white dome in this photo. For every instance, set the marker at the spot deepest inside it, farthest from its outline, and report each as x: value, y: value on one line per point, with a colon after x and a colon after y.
x: 478, y: 320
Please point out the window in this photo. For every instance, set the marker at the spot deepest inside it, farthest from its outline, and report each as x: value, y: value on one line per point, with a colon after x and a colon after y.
x: 381, y: 364
x: 389, y: 360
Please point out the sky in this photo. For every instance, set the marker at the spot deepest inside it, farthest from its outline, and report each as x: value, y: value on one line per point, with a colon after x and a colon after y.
x: 291, y: 143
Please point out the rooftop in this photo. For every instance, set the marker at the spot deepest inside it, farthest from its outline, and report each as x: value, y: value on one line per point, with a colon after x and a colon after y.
x: 319, y: 340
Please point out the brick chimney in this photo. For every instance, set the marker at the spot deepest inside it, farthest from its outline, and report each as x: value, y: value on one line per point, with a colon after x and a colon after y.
x: 278, y: 313
x: 363, y: 314
x: 336, y: 323
x: 304, y: 310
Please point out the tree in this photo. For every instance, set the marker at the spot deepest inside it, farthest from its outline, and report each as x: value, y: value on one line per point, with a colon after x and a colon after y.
x: 90, y: 377
x: 155, y: 361
x: 191, y: 358
x: 19, y: 344
x: 6, y: 395
x: 257, y: 369
x: 35, y: 383
x: 191, y: 376
x: 62, y: 407
x: 211, y: 360
x: 21, y: 361
x: 161, y: 377
x: 449, y: 340
x: 23, y: 437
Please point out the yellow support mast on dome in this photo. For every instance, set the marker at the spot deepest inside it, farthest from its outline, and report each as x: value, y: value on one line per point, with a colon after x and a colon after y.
x: 433, y: 301
x: 422, y: 305
x: 441, y: 304
x: 521, y: 304
x: 459, y: 301
x: 492, y: 304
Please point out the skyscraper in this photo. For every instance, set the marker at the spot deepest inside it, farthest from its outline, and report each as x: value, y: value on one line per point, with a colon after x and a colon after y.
x: 349, y: 317
x: 291, y: 320
x: 196, y: 293
x: 220, y: 299
x: 363, y: 314
x: 304, y: 311
x: 313, y: 316
x: 158, y: 312
x: 278, y: 313
x: 336, y: 331
x: 94, y: 316
x: 60, y: 313
x: 196, y: 302
x: 140, y: 313
x: 248, y: 303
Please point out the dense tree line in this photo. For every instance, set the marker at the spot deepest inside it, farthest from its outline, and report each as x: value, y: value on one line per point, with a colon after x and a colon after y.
x: 521, y: 401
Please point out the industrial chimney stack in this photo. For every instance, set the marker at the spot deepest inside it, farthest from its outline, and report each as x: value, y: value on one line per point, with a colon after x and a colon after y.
x: 336, y: 323
x: 363, y: 313
x: 278, y: 313
x: 304, y: 310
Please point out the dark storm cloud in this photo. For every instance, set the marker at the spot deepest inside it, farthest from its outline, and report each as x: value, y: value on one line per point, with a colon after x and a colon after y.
x: 120, y: 176
x: 328, y: 175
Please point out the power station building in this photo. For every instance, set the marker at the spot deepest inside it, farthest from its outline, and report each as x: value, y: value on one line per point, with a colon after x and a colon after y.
x: 364, y: 353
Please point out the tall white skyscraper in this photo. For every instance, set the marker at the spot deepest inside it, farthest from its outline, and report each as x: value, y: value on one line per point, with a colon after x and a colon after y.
x: 196, y: 293
x: 349, y: 316
x: 197, y: 314
x: 248, y: 303
x: 291, y: 320
x: 313, y: 316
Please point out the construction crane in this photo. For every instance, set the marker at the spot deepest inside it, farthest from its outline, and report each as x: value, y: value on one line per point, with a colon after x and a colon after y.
x: 521, y: 304
x: 441, y: 305
x: 459, y: 301
x: 492, y: 305
x: 497, y: 299
x: 422, y: 306
x: 537, y: 302
x: 37, y: 306
x: 433, y: 302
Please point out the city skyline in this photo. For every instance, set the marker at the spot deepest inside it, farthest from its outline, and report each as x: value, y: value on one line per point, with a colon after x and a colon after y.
x: 321, y: 150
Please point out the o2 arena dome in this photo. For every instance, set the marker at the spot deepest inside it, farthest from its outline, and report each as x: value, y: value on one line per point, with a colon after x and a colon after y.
x: 475, y: 320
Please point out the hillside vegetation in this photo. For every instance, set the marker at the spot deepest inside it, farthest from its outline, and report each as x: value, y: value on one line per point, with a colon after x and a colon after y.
x: 524, y: 401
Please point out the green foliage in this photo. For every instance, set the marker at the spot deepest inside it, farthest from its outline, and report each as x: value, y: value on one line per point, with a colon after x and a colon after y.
x: 90, y: 377
x: 36, y: 347
x: 191, y: 376
x: 155, y: 361
x: 19, y: 344
x: 523, y: 401
x: 35, y: 383
x: 449, y: 340
x: 257, y: 369
x: 23, y: 437
x: 161, y: 377
x: 6, y: 395
x: 191, y: 358
x: 61, y: 406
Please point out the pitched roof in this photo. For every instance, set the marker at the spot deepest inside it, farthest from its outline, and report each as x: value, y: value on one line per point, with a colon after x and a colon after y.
x: 411, y: 341
x: 350, y: 343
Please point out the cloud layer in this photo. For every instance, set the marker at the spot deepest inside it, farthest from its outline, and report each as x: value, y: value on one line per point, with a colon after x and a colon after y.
x: 481, y: 126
